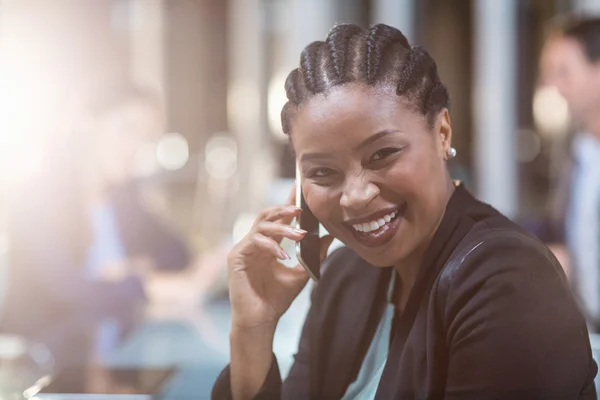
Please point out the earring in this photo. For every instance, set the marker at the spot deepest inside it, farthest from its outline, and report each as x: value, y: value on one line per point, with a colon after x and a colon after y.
x: 451, y: 153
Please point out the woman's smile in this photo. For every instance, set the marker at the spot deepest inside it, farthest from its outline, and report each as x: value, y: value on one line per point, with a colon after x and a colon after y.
x: 377, y: 229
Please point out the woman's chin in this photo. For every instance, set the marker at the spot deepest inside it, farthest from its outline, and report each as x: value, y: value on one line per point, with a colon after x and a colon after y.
x: 380, y: 262
x: 376, y: 260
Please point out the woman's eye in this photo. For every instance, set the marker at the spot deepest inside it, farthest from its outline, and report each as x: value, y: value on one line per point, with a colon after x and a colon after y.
x: 384, y: 153
x: 321, y: 172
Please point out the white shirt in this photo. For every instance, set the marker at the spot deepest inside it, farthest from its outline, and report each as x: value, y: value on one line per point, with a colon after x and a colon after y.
x: 583, y: 221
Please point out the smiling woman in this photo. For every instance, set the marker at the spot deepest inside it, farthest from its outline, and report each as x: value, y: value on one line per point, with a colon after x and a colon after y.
x: 436, y: 295
x: 391, y: 160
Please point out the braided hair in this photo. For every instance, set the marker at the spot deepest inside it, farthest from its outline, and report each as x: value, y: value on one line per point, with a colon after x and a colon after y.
x: 381, y: 55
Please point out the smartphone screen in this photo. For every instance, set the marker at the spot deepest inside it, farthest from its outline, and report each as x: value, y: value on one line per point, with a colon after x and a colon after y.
x: 308, y: 249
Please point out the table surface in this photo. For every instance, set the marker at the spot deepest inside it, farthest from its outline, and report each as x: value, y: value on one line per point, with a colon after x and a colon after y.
x: 198, y: 347
x: 197, y: 344
x: 198, y: 353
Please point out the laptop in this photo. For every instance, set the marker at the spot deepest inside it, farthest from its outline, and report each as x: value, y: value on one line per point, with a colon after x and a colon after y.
x: 96, y: 383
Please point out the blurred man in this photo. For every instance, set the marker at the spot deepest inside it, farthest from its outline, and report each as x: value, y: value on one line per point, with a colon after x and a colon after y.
x: 571, y: 62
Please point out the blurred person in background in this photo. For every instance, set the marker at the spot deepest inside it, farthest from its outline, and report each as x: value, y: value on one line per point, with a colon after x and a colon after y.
x: 570, y: 61
x: 81, y: 236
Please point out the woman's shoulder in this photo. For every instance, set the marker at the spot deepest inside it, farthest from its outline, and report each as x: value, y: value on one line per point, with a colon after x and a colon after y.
x: 503, y: 308
x: 497, y: 259
x: 497, y: 244
x: 493, y: 244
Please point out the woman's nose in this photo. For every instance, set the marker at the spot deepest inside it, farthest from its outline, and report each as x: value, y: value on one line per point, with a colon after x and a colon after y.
x: 358, y: 194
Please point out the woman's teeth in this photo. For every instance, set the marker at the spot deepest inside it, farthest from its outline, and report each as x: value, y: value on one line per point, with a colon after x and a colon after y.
x: 376, y: 224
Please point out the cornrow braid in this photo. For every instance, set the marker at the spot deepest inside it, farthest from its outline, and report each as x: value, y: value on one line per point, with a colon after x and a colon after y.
x: 381, y: 55
x: 316, y: 66
x: 419, y: 81
x: 341, y: 42
x: 380, y: 40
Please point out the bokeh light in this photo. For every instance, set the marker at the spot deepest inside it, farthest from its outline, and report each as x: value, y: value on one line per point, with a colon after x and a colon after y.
x: 172, y: 151
x: 276, y: 101
x: 221, y: 157
x: 550, y: 111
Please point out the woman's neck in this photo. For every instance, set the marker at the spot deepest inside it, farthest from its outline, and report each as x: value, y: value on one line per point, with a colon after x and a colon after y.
x: 407, y: 276
x: 408, y: 269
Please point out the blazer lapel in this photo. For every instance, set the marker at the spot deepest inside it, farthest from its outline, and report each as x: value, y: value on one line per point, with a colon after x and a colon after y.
x: 458, y: 220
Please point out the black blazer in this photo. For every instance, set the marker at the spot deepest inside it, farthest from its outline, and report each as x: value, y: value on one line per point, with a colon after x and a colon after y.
x: 490, y: 317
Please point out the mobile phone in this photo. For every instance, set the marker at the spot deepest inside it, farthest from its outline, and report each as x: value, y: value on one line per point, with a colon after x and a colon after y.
x: 308, y: 250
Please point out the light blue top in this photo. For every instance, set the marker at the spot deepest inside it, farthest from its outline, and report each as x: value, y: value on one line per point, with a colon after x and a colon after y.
x: 583, y: 221
x: 367, y: 381
x: 106, y: 247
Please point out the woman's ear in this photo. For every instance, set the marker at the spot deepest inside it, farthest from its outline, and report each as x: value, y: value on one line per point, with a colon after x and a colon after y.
x: 444, y: 132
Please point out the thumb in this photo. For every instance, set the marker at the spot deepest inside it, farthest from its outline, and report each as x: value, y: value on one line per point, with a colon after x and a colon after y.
x: 299, y: 276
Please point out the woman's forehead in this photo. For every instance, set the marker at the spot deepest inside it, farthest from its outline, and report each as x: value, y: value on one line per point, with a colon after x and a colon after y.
x: 351, y: 96
x: 351, y: 110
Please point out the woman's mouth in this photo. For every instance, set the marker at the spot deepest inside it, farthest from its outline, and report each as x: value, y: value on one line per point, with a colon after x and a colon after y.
x: 379, y: 230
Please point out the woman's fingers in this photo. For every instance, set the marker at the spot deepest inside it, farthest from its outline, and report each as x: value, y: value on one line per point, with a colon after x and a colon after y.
x: 291, y: 202
x: 278, y: 213
x: 277, y: 231
x: 268, y: 245
x: 299, y: 272
x: 283, y: 214
x: 275, y: 222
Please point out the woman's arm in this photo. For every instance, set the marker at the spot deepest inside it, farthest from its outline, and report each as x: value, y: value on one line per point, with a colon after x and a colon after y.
x: 514, y: 330
x: 267, y: 381
x: 297, y: 383
x: 250, y: 347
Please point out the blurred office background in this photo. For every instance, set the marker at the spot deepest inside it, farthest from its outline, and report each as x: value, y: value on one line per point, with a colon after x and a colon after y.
x: 220, y: 66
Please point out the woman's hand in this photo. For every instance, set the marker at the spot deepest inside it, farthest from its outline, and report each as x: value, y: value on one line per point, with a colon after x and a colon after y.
x: 261, y: 289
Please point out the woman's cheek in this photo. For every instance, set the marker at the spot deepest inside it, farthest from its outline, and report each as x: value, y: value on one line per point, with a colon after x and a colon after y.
x: 402, y: 172
x: 321, y: 204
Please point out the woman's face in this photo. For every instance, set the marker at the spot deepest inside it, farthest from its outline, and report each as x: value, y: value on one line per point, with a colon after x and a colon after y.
x: 373, y: 171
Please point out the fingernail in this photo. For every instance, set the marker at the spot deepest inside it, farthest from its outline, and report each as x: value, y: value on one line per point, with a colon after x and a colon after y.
x: 298, y: 231
x: 284, y: 255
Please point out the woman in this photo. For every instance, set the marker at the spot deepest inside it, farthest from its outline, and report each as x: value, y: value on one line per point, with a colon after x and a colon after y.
x: 80, y: 231
x: 436, y: 295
